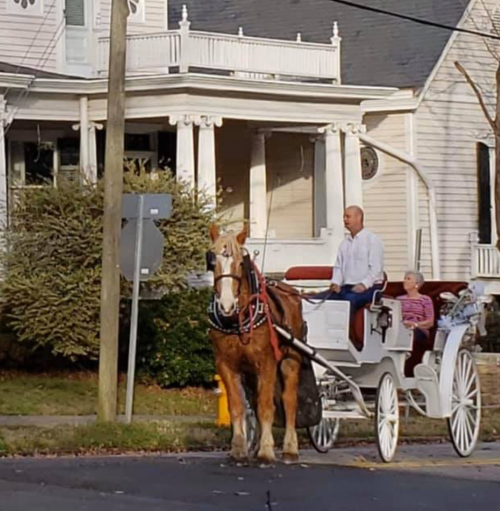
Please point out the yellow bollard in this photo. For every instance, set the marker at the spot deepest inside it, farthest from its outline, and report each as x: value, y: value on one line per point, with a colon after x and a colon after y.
x: 223, y: 417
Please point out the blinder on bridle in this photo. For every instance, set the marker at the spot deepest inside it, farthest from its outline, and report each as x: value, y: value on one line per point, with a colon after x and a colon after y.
x: 211, y: 259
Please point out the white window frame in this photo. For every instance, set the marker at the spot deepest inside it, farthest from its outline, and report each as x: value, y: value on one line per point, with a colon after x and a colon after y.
x: 140, y: 15
x: 30, y: 10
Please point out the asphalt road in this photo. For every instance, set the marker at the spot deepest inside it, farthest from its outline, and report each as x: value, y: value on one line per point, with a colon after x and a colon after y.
x: 344, y: 480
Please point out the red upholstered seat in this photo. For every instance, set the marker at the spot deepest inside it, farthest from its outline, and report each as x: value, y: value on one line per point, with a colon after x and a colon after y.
x: 309, y: 273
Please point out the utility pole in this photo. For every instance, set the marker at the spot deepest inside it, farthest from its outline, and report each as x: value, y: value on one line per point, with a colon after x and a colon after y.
x: 113, y: 185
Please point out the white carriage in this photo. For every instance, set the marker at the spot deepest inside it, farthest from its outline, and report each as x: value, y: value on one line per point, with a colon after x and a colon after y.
x: 368, y: 381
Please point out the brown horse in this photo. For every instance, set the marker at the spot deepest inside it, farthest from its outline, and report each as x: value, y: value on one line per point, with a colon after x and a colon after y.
x: 252, y: 354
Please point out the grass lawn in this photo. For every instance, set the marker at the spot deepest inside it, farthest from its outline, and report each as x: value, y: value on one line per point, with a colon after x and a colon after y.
x: 76, y: 394
x: 165, y: 436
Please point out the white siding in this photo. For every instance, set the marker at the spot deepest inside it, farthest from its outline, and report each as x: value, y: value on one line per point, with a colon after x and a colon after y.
x: 155, y: 17
x: 31, y: 41
x: 385, y: 197
x: 449, y: 124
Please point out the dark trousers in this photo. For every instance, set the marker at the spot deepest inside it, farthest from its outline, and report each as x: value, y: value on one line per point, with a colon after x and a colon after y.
x: 357, y: 300
x: 421, y: 343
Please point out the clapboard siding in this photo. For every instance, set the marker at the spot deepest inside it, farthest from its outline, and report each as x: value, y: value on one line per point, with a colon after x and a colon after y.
x: 31, y: 41
x: 385, y: 197
x: 449, y: 124
x: 155, y: 17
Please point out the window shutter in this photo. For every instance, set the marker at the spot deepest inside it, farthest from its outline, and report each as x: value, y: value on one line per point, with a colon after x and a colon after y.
x: 75, y: 13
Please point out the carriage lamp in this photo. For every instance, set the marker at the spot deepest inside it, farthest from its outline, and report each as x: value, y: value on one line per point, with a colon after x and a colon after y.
x: 223, y: 417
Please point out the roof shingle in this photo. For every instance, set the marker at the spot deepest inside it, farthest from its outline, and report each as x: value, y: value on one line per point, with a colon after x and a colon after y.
x: 376, y: 49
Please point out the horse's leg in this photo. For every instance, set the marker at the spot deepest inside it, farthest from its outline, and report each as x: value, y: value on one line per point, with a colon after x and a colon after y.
x: 232, y: 382
x: 290, y: 369
x: 265, y: 410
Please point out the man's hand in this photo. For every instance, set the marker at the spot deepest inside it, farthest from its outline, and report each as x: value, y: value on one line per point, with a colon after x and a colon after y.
x: 409, y: 324
x: 359, y: 288
x: 335, y: 288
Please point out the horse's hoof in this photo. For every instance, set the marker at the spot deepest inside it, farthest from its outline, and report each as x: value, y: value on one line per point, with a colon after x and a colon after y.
x: 290, y: 459
x: 239, y: 461
x: 266, y: 462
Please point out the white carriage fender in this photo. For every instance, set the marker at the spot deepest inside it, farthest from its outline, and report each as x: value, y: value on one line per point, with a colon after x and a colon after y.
x: 426, y: 179
x: 451, y: 348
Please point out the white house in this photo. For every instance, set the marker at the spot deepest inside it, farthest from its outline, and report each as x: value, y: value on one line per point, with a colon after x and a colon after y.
x: 296, y: 107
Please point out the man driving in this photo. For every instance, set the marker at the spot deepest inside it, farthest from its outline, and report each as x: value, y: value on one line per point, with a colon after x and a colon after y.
x: 359, y: 269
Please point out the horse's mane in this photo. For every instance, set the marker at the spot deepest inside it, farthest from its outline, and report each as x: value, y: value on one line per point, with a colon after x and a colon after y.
x: 229, y: 242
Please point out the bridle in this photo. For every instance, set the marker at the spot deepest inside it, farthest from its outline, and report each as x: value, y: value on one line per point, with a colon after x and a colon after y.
x: 244, y: 319
x: 211, y: 258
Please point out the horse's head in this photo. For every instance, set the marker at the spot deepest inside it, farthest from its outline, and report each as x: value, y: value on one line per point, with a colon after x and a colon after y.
x: 225, y: 259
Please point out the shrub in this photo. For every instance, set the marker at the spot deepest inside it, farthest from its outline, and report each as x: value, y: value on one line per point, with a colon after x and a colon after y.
x: 50, y: 293
x: 173, y: 345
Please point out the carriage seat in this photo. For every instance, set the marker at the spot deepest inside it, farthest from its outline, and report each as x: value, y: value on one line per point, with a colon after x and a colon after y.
x: 432, y: 289
x: 393, y: 290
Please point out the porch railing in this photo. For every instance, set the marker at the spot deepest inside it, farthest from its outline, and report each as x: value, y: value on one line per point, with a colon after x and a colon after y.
x: 252, y: 56
x: 485, y: 261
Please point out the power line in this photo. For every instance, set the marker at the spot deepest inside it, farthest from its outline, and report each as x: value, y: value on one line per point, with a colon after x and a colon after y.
x: 414, y: 19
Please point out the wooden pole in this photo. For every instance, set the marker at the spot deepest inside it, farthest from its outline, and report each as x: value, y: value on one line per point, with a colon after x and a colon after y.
x: 113, y: 184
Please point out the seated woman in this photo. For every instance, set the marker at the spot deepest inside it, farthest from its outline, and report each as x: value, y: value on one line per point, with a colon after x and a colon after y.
x: 418, y: 315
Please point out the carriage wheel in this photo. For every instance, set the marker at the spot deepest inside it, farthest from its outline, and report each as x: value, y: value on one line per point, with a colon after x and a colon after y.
x: 465, y: 419
x: 324, y: 434
x: 387, y: 417
x: 252, y: 427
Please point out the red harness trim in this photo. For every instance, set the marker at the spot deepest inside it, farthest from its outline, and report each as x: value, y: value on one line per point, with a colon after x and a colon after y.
x: 264, y: 298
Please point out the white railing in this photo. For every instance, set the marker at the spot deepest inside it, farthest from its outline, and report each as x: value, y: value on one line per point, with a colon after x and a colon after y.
x: 485, y: 261
x: 251, y: 56
x: 151, y: 52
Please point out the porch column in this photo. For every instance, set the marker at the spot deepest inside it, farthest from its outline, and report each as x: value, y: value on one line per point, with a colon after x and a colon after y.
x: 84, y: 139
x: 3, y: 168
x: 353, y: 176
x: 93, y: 126
x: 258, y: 186
x: 185, y: 148
x: 320, y: 203
x: 207, y: 174
x: 334, y: 185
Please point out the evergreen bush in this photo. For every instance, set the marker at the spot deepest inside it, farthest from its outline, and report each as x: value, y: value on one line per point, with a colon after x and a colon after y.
x: 50, y: 290
x: 173, y: 345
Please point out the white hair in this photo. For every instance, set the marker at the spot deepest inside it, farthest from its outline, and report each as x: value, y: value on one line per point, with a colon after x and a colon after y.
x: 418, y: 276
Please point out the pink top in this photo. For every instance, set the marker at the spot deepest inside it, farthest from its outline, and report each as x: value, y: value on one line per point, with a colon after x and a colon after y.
x: 417, y: 309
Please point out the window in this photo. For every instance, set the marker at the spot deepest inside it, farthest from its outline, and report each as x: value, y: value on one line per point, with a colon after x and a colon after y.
x: 69, y: 152
x: 484, y: 193
x: 75, y: 13
x: 27, y: 7
x: 137, y: 142
x: 369, y: 163
x: 39, y: 163
x: 136, y: 11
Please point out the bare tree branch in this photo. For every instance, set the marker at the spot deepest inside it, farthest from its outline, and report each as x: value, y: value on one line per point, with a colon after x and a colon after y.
x: 494, y: 29
x: 479, y: 96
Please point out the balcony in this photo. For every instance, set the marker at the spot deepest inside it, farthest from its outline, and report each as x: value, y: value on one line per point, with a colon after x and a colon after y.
x: 239, y: 55
x: 485, y: 261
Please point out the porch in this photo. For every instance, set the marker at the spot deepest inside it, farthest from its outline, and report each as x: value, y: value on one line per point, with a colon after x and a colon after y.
x: 485, y: 266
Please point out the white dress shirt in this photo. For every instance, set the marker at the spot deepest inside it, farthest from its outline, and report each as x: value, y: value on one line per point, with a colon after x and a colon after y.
x: 360, y: 260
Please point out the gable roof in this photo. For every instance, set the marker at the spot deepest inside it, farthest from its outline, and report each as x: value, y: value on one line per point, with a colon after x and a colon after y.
x: 377, y: 50
x: 38, y: 73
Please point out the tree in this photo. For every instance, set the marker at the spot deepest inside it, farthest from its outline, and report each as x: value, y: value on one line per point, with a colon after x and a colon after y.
x: 491, y: 112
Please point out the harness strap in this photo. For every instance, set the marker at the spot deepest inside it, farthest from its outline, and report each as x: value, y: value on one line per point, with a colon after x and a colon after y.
x: 263, y: 296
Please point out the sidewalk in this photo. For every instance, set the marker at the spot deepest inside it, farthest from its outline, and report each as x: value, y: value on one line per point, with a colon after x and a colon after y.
x: 82, y: 420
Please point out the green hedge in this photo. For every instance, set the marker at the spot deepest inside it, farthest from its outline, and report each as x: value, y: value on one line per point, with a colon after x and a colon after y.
x: 173, y: 346
x: 50, y: 293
